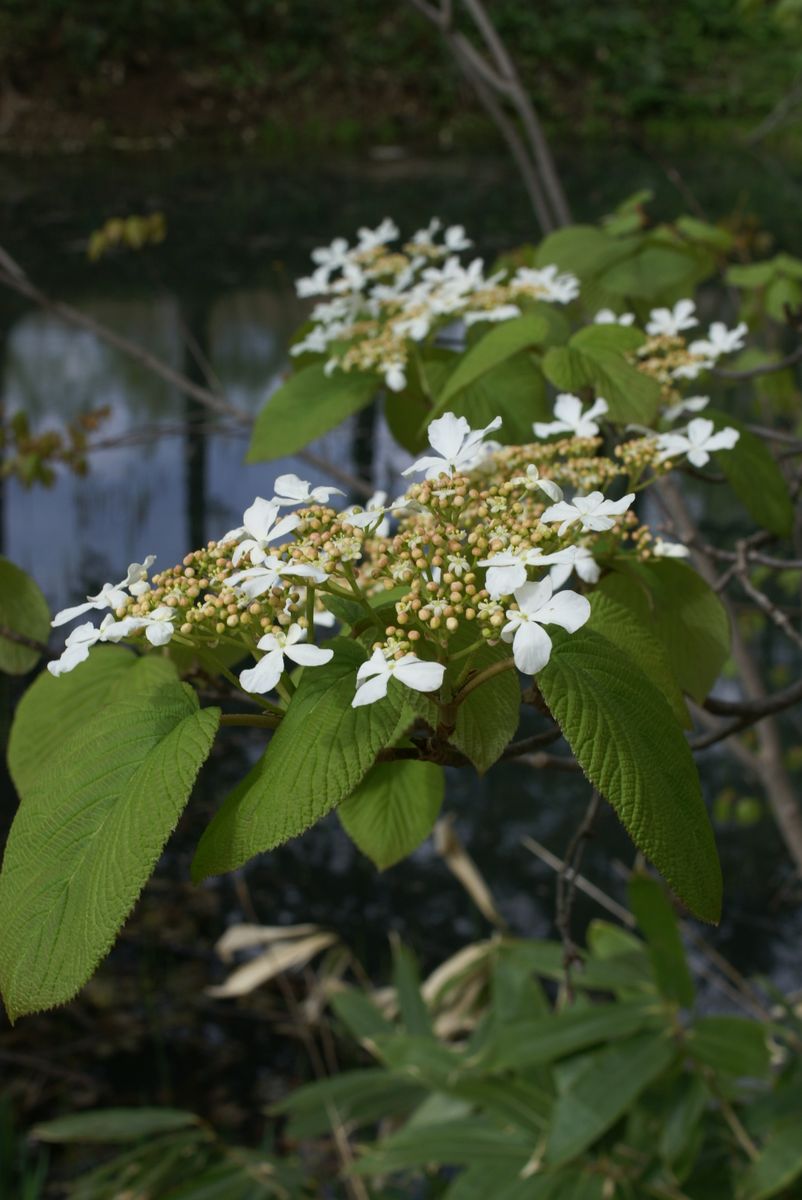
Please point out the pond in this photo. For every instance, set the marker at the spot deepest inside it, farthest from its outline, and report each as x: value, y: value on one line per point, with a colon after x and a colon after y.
x: 165, y: 478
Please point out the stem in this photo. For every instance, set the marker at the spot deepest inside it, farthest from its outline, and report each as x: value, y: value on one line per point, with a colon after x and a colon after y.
x: 506, y: 664
x: 253, y: 720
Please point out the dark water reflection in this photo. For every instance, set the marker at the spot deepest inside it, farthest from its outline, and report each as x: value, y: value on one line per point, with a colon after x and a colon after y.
x: 236, y: 240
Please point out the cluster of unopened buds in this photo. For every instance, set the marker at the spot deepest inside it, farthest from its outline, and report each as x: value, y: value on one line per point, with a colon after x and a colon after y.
x: 481, y: 545
x: 380, y: 301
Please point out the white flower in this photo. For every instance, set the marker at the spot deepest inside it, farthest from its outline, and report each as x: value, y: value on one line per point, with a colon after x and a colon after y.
x: 537, y: 606
x: 692, y: 370
x: 317, y: 340
x: 546, y: 284
x: 255, y: 581
x: 158, y: 625
x: 531, y: 480
x: 506, y: 570
x: 373, y: 239
x: 333, y: 257
x: 458, y: 564
x: 372, y: 516
x: 455, y: 239
x: 502, y: 312
x: 606, y: 316
x: 697, y: 442
x: 374, y: 676
x: 459, y: 446
x: 669, y: 549
x: 672, y: 321
x: 77, y: 646
x: 582, y: 561
x: 592, y: 511
x: 571, y: 419
x: 289, y: 489
x: 720, y: 340
x: 259, y: 522
x: 278, y: 646
x: 111, y: 595
x: 394, y: 375
x: 693, y: 404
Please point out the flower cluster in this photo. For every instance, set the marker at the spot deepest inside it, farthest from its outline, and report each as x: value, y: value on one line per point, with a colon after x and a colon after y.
x: 379, y: 301
x: 485, y: 542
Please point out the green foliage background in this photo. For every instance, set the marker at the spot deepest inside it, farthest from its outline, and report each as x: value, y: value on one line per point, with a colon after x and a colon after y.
x: 588, y: 66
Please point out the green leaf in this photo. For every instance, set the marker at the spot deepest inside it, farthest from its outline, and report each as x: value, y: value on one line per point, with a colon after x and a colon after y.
x: 54, y: 708
x: 685, y: 614
x: 406, y: 980
x: 733, y: 1046
x: 393, y: 810
x: 625, y: 738
x: 497, y: 345
x: 359, y: 1014
x: 630, y: 395
x: 580, y: 249
x: 113, y: 1125
x: 447, y: 1143
x: 751, y: 275
x: 630, y: 632
x: 755, y: 477
x: 356, y: 1097
x: 705, y: 233
x: 87, y: 835
x: 24, y: 611
x: 655, y: 916
x: 306, y: 406
x: 488, y: 717
x: 515, y: 391
x: 651, y: 271
x: 602, y: 1092
x: 619, y: 338
x: 682, y: 1119
x: 782, y: 293
x: 532, y: 1042
x: 779, y: 1164
x: 317, y: 757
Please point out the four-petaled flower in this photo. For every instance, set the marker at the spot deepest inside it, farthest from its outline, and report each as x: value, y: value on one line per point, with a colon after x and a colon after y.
x: 259, y: 522
x: 278, y: 646
x: 571, y: 419
x: 111, y: 595
x: 720, y: 340
x: 374, y: 676
x: 255, y: 581
x: 158, y: 625
x: 531, y: 480
x: 77, y: 646
x: 289, y: 489
x: 538, y: 606
x: 606, y: 316
x: 592, y: 511
x: 672, y: 321
x: 460, y: 447
x: 372, y: 516
x: 692, y: 404
x: 698, y: 441
x: 506, y: 571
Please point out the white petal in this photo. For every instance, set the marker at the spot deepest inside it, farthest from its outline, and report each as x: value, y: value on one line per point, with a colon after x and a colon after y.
x: 503, y: 580
x: 531, y: 648
x: 68, y: 614
x: 71, y: 657
x: 532, y: 596
x: 447, y: 433
x: 376, y: 665
x: 568, y: 609
x: 259, y: 517
x: 265, y: 675
x: 309, y: 656
x: 159, y: 633
x: 418, y: 675
x: 551, y: 489
x: 372, y: 690
x: 568, y: 408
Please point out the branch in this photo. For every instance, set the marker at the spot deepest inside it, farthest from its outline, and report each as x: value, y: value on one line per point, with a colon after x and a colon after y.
x: 567, y: 887
x: 20, y: 639
x: 766, y: 369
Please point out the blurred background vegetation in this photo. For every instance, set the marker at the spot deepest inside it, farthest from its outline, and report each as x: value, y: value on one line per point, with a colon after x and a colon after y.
x: 300, y: 72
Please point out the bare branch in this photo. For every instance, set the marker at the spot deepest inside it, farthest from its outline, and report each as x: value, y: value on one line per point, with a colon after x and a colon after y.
x: 766, y: 369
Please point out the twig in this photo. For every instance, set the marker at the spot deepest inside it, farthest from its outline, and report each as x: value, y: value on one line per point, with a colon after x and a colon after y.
x: 582, y: 883
x: 20, y: 639
x: 567, y: 887
x: 764, y: 369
